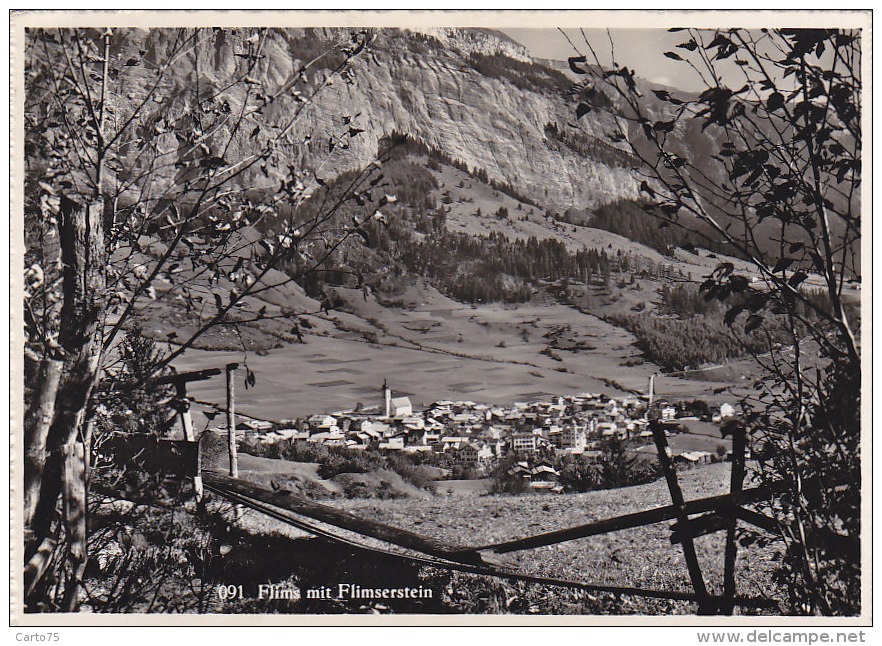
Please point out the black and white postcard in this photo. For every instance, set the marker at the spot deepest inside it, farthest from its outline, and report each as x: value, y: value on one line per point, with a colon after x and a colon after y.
x: 440, y: 318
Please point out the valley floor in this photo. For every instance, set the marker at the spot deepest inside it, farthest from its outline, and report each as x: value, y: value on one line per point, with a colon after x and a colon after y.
x: 432, y: 348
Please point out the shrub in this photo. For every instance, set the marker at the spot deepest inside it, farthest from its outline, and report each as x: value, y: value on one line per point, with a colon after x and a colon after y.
x: 127, y: 402
x: 333, y: 460
x: 502, y: 480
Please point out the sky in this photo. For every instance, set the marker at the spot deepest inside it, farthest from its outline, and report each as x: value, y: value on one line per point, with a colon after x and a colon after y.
x: 639, y: 49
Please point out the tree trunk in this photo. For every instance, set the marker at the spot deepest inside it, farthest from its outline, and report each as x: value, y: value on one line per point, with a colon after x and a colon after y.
x: 58, y: 466
x: 38, y: 563
x: 37, y: 432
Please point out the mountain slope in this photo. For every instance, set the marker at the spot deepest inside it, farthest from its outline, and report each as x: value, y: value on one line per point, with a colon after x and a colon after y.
x: 471, y: 93
x: 436, y: 95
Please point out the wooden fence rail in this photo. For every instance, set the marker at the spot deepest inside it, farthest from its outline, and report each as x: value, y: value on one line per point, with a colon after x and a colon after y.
x: 339, y: 518
x: 629, y: 521
x: 280, y: 514
x: 736, y: 484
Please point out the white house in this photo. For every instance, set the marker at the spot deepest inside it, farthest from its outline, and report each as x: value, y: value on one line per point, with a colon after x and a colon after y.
x: 696, y: 457
x: 541, y: 476
x: 474, y: 455
x: 526, y: 442
x: 451, y: 443
x: 727, y: 410
x: 415, y: 423
x: 374, y: 428
x: 255, y: 425
x: 573, y: 437
x: 323, y: 423
x: 292, y: 434
x: 607, y: 429
x: 395, y: 443
x: 401, y: 407
x: 334, y: 437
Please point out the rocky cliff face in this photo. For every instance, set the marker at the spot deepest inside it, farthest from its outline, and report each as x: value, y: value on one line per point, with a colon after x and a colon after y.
x: 425, y: 85
x: 478, y: 41
x: 487, y: 123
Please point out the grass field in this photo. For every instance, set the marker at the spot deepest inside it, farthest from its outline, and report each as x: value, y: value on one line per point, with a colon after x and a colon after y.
x: 432, y: 348
x: 251, y: 548
x: 461, y: 487
x: 641, y: 557
x: 699, y: 436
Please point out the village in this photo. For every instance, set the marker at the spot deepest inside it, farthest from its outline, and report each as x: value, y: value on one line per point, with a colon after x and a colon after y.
x: 475, y: 436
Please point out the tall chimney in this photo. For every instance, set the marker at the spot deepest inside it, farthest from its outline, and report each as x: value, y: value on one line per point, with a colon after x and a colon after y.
x: 387, y: 396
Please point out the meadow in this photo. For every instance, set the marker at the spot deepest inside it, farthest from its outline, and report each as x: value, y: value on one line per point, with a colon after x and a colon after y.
x: 641, y: 557
x: 432, y: 348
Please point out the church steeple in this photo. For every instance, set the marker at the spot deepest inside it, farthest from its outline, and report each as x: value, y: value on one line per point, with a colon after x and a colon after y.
x: 387, y: 397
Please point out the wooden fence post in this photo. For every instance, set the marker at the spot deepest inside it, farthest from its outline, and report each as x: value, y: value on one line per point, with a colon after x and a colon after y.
x: 198, y: 487
x: 231, y: 419
x: 189, y: 435
x: 739, y: 445
x: 670, y: 473
x: 238, y: 510
x: 180, y: 381
x: 73, y: 491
